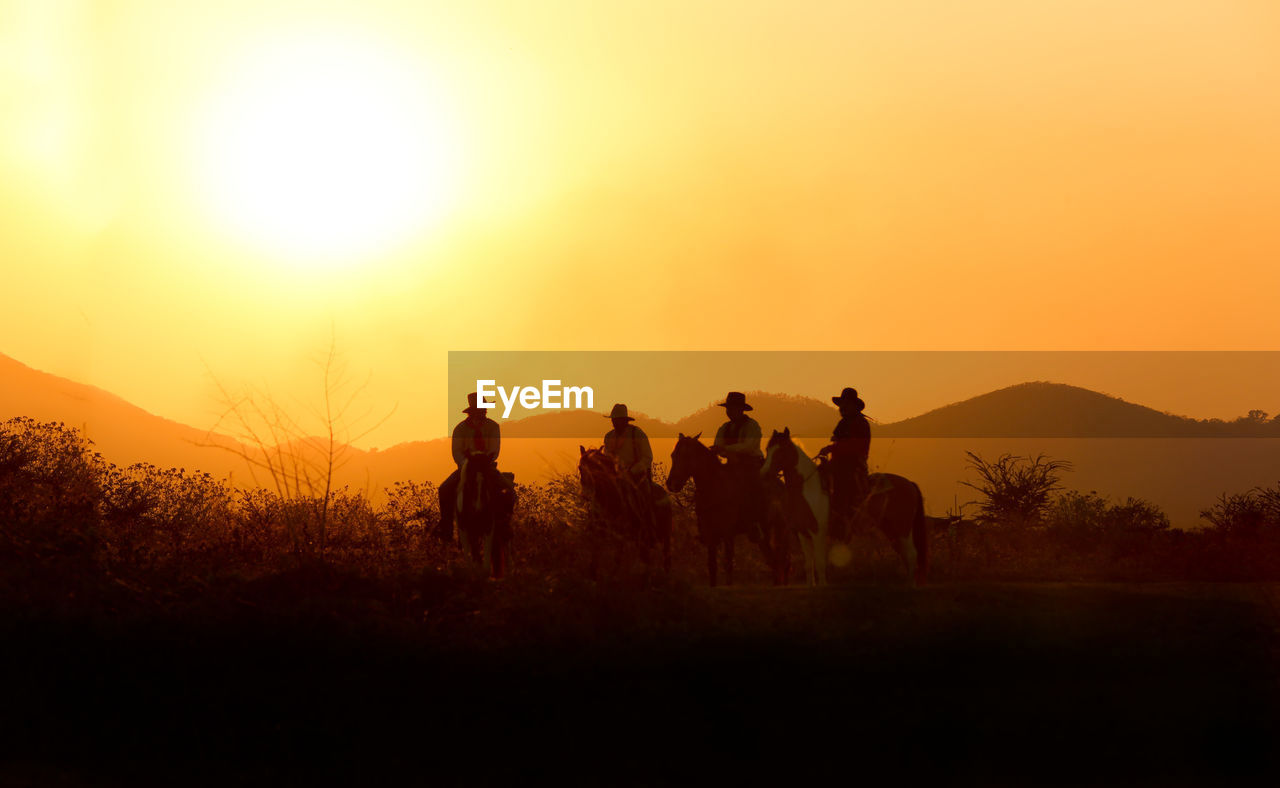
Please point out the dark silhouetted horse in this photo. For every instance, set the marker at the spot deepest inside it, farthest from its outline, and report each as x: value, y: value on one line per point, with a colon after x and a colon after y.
x: 485, y: 507
x: 720, y: 507
x: 623, y: 508
x: 893, y: 504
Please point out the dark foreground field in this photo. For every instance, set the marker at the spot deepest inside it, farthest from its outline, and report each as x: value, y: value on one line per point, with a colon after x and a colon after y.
x: 318, y: 677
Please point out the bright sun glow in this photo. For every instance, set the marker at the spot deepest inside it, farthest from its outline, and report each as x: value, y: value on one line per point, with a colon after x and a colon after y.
x: 328, y: 149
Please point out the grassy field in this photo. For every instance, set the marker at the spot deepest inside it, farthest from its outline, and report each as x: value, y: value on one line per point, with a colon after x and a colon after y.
x: 448, y: 679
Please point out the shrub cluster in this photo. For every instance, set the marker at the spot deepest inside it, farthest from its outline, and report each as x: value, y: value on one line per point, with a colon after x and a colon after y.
x: 66, y: 512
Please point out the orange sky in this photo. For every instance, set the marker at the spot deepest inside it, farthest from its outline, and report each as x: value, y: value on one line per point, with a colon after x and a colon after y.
x: 656, y: 175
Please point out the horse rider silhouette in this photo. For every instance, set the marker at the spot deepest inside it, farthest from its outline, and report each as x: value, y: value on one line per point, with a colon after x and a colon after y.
x: 738, y: 441
x: 846, y: 470
x: 629, y: 446
x: 476, y: 433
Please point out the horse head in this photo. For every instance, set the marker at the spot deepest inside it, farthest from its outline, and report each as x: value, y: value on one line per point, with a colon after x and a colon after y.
x: 781, y: 454
x: 598, y: 473
x: 594, y: 463
x: 685, y: 459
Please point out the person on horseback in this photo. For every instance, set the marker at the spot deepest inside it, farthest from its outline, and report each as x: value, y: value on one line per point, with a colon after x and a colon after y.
x: 629, y: 446
x: 476, y: 433
x: 738, y: 441
x: 847, y: 467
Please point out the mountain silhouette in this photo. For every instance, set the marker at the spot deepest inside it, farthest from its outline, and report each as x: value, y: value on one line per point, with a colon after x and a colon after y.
x: 1026, y: 410
x: 1046, y: 410
x: 123, y: 432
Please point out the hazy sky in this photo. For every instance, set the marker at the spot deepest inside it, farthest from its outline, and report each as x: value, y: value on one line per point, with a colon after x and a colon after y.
x: 190, y: 189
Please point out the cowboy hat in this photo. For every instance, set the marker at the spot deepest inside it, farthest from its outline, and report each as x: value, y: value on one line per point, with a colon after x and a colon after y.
x: 850, y: 396
x: 619, y: 412
x: 471, y: 405
x: 735, y: 398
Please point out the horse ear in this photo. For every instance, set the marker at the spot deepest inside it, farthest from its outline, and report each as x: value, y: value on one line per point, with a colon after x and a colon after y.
x: 786, y: 432
x: 582, y: 450
x: 699, y: 435
x: 681, y: 436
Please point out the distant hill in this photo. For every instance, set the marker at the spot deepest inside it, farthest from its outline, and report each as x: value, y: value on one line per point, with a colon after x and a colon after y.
x: 1055, y: 410
x: 121, y: 431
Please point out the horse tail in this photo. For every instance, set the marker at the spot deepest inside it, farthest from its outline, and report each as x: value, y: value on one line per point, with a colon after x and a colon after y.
x: 920, y: 536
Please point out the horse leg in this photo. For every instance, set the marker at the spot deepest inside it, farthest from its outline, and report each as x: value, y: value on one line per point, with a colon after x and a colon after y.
x: 907, y: 552
x: 821, y: 554
x: 920, y: 536
x: 775, y: 556
x: 665, y: 524
x: 728, y: 559
x: 781, y: 549
x: 499, y: 557
x: 810, y: 545
x: 620, y: 558
x: 487, y: 551
x: 712, y: 547
x: 593, y: 543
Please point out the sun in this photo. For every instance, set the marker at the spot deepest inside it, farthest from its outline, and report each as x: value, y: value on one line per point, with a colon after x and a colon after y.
x: 327, y: 148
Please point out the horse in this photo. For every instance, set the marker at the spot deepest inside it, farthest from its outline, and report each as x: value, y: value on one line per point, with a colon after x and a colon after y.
x: 893, y: 504
x: 484, y: 510
x: 624, y: 507
x: 718, y: 504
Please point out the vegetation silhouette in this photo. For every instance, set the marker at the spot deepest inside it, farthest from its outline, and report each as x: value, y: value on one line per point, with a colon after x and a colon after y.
x: 277, y: 449
x: 622, y: 512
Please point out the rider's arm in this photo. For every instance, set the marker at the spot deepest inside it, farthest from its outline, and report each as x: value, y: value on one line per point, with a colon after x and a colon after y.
x: 644, y: 454
x: 719, y: 441
x: 459, y: 445
x: 748, y: 440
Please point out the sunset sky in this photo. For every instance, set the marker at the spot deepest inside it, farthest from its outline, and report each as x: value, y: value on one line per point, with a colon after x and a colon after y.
x: 200, y: 191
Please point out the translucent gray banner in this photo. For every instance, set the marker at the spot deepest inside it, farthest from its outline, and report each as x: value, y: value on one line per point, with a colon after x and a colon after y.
x: 915, y: 394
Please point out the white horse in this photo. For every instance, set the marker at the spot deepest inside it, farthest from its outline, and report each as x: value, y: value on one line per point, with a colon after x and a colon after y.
x: 805, y: 501
x: 893, y: 504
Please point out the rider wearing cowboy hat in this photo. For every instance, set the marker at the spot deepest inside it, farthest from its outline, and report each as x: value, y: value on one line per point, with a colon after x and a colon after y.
x: 849, y: 449
x: 628, y: 445
x: 738, y: 441
x: 476, y: 433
